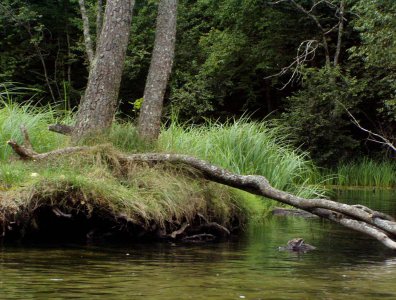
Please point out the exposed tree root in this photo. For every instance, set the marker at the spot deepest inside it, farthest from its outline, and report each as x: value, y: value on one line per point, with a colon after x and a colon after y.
x: 375, y: 224
x: 73, y: 222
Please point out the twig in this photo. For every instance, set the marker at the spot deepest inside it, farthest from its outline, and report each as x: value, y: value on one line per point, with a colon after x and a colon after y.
x: 372, y: 136
x: 305, y: 52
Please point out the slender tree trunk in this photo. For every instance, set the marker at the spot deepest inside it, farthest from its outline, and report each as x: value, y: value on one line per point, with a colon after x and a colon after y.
x: 96, y: 112
x: 56, y: 71
x: 43, y: 64
x: 160, y: 69
x: 68, y: 57
x: 326, y: 50
x: 99, y: 20
x: 340, y: 33
x: 87, y: 35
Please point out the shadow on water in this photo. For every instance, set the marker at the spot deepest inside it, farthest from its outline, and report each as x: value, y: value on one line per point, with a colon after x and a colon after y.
x: 345, y: 264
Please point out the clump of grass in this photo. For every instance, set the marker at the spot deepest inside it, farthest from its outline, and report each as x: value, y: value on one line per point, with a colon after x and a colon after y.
x: 366, y: 173
x: 246, y: 147
x: 36, y: 121
x: 124, y: 136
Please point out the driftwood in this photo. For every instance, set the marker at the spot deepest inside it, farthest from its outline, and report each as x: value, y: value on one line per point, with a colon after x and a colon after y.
x: 180, y: 231
x: 281, y: 211
x: 360, y: 218
x: 61, y: 128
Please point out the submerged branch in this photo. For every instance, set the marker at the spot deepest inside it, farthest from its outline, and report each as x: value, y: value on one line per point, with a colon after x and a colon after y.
x: 360, y: 218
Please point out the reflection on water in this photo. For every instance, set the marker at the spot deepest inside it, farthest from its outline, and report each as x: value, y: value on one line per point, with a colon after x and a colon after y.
x: 346, y: 265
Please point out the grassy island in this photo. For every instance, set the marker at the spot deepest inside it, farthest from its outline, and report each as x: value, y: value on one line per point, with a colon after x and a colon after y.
x: 91, y: 196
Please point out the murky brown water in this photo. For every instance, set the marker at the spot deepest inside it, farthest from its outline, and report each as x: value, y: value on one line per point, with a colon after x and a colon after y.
x: 346, y: 265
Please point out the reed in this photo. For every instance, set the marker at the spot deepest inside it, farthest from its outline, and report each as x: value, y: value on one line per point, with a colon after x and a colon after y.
x: 365, y: 173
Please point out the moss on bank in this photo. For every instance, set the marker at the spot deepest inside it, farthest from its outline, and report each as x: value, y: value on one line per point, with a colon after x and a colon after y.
x: 105, y: 198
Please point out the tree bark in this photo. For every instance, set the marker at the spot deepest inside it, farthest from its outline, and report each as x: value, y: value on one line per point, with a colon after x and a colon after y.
x: 160, y: 68
x: 96, y: 112
x: 357, y: 217
x: 99, y: 20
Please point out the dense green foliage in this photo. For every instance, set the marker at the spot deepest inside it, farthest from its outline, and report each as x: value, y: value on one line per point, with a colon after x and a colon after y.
x: 317, y: 117
x: 377, y: 55
x: 225, y: 54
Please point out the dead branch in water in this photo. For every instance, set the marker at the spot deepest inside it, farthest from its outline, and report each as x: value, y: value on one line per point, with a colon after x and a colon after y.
x: 359, y: 218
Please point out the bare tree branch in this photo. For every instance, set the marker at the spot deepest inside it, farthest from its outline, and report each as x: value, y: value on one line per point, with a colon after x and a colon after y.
x: 319, y: 25
x: 310, y: 46
x: 305, y: 52
x: 372, y: 136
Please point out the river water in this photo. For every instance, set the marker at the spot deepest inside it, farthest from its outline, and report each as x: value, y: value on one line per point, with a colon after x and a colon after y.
x: 345, y: 265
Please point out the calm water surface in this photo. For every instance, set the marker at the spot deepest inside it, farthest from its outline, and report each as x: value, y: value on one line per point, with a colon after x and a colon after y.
x: 346, y: 265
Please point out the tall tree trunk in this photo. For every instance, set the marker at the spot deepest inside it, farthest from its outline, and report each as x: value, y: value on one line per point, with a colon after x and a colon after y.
x: 97, y: 110
x: 160, y: 69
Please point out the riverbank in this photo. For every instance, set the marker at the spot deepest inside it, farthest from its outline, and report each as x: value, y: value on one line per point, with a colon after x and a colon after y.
x: 97, y: 194
x: 92, y: 196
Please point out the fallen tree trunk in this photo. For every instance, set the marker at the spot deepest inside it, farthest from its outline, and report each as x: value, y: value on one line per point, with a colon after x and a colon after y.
x: 356, y: 217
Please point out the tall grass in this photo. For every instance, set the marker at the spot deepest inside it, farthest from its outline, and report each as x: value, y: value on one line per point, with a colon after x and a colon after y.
x: 246, y: 147
x: 243, y: 147
x: 366, y: 173
x: 36, y: 121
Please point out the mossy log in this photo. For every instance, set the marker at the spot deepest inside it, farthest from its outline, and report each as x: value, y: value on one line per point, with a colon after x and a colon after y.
x: 357, y: 217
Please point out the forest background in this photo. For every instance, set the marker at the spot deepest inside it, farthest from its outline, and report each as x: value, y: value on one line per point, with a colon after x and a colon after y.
x: 230, y: 61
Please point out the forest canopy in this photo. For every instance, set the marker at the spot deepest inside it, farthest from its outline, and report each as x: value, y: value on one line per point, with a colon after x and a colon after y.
x: 231, y: 59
